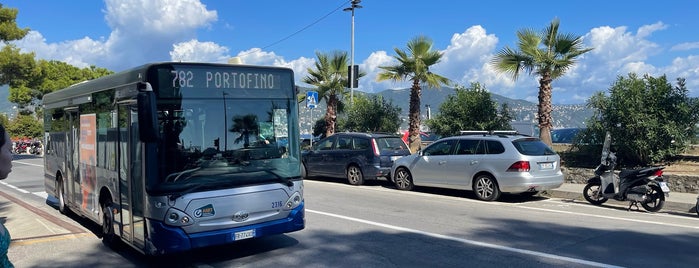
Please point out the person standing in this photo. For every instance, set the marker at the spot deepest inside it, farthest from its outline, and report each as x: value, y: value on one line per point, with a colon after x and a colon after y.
x: 5, y: 169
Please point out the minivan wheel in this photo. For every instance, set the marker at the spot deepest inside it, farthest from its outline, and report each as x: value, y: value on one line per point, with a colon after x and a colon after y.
x: 403, y: 179
x: 486, y: 188
x: 304, y: 173
x: 354, y: 175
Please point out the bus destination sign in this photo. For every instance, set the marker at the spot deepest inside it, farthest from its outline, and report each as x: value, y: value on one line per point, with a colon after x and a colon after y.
x: 225, y: 79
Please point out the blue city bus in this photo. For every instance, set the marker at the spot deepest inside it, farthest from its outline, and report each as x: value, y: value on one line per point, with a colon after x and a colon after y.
x: 169, y: 157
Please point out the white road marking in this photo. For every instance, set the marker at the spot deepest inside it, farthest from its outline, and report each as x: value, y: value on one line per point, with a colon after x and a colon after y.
x: 14, y: 187
x: 30, y: 164
x: 466, y: 241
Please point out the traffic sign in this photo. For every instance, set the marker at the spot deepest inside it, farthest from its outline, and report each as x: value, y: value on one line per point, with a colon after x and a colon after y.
x: 311, y: 99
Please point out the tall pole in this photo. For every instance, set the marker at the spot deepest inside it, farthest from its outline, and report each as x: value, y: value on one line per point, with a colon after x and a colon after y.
x: 355, y: 4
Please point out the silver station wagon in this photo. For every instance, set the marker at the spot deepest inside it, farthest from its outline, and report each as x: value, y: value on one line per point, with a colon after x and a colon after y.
x: 486, y: 163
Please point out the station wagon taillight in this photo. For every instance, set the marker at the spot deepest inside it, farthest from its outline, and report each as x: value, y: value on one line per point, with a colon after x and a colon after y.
x: 520, y: 166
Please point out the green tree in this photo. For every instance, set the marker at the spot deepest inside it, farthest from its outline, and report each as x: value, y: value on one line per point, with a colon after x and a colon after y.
x: 25, y: 126
x: 414, y: 65
x: 9, y: 30
x: 372, y: 114
x: 43, y: 77
x: 548, y: 54
x: 469, y: 109
x: 648, y: 118
x: 330, y: 78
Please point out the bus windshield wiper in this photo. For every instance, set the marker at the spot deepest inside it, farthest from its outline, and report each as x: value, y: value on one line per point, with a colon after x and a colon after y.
x: 285, y: 180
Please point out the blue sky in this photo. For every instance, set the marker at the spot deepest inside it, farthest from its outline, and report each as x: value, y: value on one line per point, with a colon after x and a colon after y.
x: 653, y: 37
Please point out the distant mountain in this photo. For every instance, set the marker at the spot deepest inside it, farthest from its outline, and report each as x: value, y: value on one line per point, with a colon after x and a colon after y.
x: 564, y: 116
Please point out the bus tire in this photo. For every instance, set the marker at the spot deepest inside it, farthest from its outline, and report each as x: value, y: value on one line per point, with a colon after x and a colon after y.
x: 108, y: 236
x: 62, y: 207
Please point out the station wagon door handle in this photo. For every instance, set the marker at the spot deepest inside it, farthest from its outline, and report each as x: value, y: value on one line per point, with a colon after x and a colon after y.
x: 473, y: 162
x: 442, y: 162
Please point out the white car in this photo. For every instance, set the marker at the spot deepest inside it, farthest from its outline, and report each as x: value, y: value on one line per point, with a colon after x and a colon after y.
x: 487, y: 164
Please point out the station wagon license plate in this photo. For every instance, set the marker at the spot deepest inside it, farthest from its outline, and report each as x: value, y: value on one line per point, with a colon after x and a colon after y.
x: 244, y: 235
x: 547, y: 165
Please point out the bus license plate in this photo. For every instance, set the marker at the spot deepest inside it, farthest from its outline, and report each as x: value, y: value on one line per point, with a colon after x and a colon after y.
x: 548, y: 165
x: 244, y: 234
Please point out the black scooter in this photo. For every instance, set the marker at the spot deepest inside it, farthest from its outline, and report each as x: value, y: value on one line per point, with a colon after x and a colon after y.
x: 645, y: 185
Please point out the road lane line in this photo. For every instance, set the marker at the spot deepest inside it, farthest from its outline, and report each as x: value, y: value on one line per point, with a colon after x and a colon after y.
x: 466, y: 241
x: 30, y: 164
x: 611, y: 217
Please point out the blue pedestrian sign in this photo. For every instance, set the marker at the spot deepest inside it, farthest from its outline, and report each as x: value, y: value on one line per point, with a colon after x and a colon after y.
x: 311, y: 99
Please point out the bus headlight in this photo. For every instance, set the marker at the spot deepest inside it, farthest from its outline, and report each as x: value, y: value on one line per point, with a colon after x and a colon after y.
x: 177, y: 218
x: 293, y: 201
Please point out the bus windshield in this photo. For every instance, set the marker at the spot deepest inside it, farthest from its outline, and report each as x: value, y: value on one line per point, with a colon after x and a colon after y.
x: 214, y: 138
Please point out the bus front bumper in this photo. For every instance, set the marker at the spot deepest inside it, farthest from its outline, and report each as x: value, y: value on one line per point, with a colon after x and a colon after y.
x: 166, y: 239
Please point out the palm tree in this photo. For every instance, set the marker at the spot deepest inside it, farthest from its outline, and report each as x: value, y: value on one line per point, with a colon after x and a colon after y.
x: 330, y: 78
x: 414, y: 65
x: 548, y: 54
x: 247, y: 126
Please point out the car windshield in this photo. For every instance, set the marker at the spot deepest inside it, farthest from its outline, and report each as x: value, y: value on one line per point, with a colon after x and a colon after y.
x: 532, y: 146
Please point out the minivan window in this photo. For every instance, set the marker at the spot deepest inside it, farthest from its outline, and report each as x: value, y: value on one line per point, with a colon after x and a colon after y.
x: 326, y: 144
x: 361, y: 144
x: 391, y: 143
x: 532, y: 146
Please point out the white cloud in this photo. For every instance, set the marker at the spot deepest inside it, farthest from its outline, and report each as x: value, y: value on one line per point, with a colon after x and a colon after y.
x: 685, y: 46
x: 159, y: 17
x: 647, y: 30
x: 194, y: 50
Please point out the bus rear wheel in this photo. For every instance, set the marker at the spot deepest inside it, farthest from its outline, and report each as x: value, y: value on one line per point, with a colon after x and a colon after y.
x: 108, y: 236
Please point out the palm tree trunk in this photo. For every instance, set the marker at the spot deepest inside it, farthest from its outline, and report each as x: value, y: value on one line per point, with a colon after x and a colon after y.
x: 330, y: 116
x: 414, y: 120
x: 545, y: 108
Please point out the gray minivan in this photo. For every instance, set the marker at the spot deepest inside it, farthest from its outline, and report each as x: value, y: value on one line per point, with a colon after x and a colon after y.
x: 353, y: 155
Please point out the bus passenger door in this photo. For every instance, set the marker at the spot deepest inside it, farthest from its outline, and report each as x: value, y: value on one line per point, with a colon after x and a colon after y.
x: 131, y: 186
x: 73, y: 191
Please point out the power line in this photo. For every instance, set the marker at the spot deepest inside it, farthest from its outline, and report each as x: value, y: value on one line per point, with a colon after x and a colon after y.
x: 302, y: 29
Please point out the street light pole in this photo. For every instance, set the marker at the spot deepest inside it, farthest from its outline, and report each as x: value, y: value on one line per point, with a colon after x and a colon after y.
x: 355, y: 4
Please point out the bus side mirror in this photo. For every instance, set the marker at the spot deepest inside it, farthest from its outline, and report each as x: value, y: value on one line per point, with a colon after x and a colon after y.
x: 147, y: 117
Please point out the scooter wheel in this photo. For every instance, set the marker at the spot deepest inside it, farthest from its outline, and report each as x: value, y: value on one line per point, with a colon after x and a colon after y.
x: 696, y: 208
x: 591, y: 193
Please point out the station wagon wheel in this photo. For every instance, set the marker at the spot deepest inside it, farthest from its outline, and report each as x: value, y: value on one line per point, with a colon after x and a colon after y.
x: 486, y: 188
x: 354, y: 175
x: 403, y: 179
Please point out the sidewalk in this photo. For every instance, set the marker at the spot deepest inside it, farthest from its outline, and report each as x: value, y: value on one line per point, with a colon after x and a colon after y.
x: 26, y: 222
x: 676, y: 202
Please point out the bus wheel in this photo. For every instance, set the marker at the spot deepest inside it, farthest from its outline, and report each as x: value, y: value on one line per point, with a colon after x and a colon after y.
x: 61, y: 198
x: 108, y: 236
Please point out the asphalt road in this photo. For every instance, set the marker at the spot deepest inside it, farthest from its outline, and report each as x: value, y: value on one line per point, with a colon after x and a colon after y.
x: 378, y: 226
